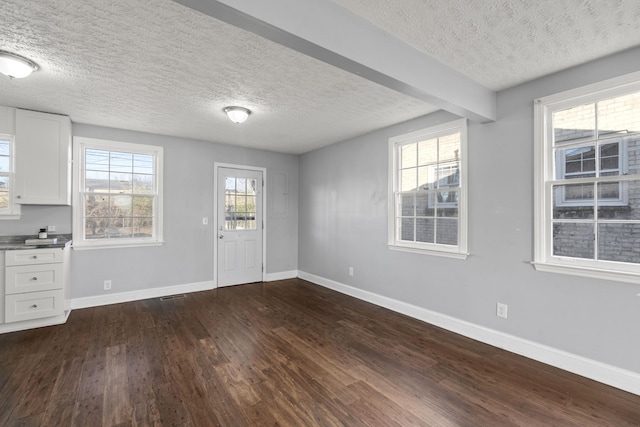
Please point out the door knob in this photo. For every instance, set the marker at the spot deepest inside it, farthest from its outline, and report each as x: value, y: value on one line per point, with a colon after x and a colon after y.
x: 220, y: 236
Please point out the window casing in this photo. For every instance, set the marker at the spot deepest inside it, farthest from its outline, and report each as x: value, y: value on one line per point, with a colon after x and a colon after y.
x: 587, y: 184
x: 8, y: 209
x: 117, y: 194
x: 427, y: 191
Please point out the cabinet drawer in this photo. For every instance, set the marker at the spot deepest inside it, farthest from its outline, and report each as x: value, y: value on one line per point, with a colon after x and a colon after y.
x: 33, y: 305
x: 33, y: 256
x: 32, y: 278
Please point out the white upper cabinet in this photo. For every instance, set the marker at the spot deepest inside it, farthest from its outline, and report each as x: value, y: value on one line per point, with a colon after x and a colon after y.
x: 43, y: 158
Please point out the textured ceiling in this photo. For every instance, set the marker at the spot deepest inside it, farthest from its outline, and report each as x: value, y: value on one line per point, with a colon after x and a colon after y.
x: 502, y: 43
x: 159, y: 67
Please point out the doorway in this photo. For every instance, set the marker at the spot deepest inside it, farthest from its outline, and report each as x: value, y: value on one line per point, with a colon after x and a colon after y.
x: 239, y: 225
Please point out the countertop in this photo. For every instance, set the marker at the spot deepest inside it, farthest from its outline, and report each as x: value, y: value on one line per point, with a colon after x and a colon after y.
x: 17, y: 242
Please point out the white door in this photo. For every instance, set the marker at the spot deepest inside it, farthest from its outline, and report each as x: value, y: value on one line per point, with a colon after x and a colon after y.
x: 239, y: 222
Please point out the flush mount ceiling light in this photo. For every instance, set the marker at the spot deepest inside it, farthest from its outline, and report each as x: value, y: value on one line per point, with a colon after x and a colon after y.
x: 237, y: 114
x: 16, y: 66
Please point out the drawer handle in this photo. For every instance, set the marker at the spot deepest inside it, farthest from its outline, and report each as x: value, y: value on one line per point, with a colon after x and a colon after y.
x: 35, y: 257
x: 34, y: 278
x: 34, y: 306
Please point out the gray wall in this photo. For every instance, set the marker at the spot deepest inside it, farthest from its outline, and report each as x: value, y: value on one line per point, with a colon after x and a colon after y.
x: 343, y: 223
x: 187, y: 254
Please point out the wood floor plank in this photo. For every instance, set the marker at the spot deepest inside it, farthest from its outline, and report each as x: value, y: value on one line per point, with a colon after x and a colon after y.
x: 286, y: 353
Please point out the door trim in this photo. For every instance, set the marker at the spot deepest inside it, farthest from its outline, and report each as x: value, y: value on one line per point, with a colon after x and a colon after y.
x: 216, y: 167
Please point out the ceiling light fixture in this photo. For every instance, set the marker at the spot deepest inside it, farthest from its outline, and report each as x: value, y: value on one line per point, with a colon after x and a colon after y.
x: 237, y: 114
x: 12, y: 65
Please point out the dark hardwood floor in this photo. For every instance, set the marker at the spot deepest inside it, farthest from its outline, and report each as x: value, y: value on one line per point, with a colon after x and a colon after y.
x: 283, y: 353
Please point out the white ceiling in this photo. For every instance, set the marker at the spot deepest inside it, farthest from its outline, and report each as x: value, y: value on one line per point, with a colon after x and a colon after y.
x: 157, y: 66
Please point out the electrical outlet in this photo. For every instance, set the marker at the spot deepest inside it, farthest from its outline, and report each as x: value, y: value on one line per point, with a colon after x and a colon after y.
x: 501, y: 310
x: 107, y: 285
x: 205, y: 220
x: 51, y: 228
x: 351, y: 271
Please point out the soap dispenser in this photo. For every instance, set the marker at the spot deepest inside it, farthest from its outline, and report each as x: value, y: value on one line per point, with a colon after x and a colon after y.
x: 42, y: 234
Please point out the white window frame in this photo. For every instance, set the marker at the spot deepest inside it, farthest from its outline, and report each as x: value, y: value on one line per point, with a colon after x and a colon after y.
x: 394, y: 243
x: 80, y: 144
x: 13, y: 210
x: 544, y: 260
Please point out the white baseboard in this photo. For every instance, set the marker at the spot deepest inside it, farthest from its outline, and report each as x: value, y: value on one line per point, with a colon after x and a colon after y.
x: 601, y: 372
x: 119, y: 297
x: 282, y: 275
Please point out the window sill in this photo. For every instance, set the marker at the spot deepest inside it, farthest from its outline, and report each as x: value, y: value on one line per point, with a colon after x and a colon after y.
x: 441, y: 253
x: 119, y: 245
x: 590, y: 272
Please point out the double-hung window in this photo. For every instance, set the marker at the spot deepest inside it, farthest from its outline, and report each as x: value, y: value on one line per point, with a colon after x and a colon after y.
x: 427, y: 197
x: 117, y: 194
x: 8, y: 209
x: 588, y: 181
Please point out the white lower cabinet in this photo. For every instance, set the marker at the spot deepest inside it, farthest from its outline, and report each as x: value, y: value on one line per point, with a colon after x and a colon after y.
x: 34, y: 284
x: 33, y: 305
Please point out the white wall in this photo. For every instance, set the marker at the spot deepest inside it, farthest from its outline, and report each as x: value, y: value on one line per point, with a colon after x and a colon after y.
x: 343, y: 223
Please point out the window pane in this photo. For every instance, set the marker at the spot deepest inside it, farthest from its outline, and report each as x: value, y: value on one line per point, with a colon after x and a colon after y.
x: 564, y: 208
x: 619, y: 115
x: 424, y: 204
x: 406, y: 229
x: 449, y: 175
x: 119, y: 203
x: 447, y: 231
x: 579, y: 162
x: 619, y: 200
x: 4, y: 198
x: 425, y: 230
x: 143, y: 164
x: 251, y: 186
x: 229, y: 184
x: 630, y: 150
x: 96, y: 227
x: 578, y: 192
x: 96, y: 182
x: 96, y: 160
x: 447, y: 203
x: 617, y: 242
x: 408, y: 156
x: 121, y: 206
x: 406, y: 204
x: 121, y: 162
x: 142, y: 206
x: 5, y: 164
x: 574, y: 123
x: 428, y: 152
x: 143, y: 184
x: 449, y: 148
x: 610, y: 191
x: 120, y: 183
x: 573, y: 240
x: 251, y: 205
x: 143, y: 227
x: 408, y: 179
x: 120, y: 228
x: 426, y: 177
x: 96, y: 205
x: 5, y: 147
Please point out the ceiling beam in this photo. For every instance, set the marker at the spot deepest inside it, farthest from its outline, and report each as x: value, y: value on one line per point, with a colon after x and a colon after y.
x: 332, y: 34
